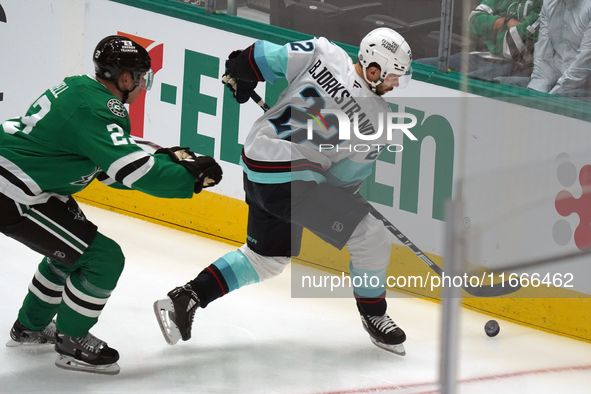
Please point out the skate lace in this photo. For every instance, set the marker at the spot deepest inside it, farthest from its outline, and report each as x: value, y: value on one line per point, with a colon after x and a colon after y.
x: 193, y: 303
x: 383, y: 323
x: 92, y: 343
x: 193, y: 308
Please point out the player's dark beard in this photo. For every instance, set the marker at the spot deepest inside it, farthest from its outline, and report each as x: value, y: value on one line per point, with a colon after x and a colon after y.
x: 380, y: 90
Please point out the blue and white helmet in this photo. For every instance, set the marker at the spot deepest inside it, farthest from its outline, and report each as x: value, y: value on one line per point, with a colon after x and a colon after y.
x: 389, y: 50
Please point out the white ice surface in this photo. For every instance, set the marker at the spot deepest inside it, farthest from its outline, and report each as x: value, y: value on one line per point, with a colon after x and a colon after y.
x: 260, y: 340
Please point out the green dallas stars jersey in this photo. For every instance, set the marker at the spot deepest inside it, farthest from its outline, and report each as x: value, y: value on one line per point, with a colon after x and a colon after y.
x: 516, y: 43
x: 71, y: 134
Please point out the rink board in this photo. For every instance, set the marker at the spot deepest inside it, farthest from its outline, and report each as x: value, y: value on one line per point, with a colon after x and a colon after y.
x: 224, y: 218
x: 188, y: 106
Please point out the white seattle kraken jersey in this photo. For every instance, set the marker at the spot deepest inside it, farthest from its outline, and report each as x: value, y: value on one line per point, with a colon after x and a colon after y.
x: 321, y: 78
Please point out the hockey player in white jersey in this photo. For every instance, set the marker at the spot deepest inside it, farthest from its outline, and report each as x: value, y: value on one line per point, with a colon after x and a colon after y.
x: 300, y: 173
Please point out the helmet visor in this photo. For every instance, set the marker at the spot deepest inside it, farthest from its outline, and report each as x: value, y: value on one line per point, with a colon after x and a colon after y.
x: 147, y: 80
x: 394, y: 80
x: 404, y: 80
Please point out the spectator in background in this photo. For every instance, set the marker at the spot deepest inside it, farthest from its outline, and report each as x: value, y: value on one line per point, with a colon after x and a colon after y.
x: 562, y: 63
x: 505, y: 32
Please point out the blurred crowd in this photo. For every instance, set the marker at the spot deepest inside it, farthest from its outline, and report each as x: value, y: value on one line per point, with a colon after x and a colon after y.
x: 544, y: 45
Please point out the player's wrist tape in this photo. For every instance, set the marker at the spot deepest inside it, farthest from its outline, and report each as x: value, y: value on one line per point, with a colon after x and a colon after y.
x: 242, y: 90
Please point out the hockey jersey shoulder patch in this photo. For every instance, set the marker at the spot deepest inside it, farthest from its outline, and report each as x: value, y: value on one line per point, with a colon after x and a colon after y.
x: 117, y: 108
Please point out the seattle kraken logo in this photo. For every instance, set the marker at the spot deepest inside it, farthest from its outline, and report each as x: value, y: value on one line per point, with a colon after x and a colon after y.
x: 286, y: 123
x: 338, y: 226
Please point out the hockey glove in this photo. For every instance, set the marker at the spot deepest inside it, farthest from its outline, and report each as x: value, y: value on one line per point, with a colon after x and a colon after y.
x: 242, y: 90
x: 241, y: 67
x: 206, y: 170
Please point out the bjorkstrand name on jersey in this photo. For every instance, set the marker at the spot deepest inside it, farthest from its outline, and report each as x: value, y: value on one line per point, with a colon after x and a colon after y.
x: 327, y: 81
x: 352, y: 112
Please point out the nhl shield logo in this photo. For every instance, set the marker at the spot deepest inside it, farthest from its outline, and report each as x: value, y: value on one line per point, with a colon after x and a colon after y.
x: 338, y: 226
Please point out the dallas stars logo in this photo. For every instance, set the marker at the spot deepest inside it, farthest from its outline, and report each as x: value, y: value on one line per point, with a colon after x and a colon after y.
x: 78, y: 215
x: 86, y: 178
x: 117, y: 108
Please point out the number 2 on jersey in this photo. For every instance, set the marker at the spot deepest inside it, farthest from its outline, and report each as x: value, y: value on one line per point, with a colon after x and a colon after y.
x: 118, y: 135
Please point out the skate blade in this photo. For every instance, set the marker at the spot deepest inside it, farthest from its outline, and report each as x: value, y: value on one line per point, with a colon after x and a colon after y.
x: 169, y: 329
x: 70, y: 363
x: 12, y: 343
x: 396, y: 349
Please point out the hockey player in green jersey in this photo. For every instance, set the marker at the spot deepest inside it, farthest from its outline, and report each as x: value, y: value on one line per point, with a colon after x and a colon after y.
x: 73, y: 133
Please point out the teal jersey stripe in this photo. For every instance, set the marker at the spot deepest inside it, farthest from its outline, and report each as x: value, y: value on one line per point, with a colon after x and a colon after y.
x: 281, y: 177
x: 271, y: 59
x: 348, y: 173
x: 237, y: 270
x: 369, y: 286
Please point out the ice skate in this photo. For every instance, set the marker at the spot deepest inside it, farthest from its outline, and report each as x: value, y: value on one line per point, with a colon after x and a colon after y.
x: 175, y: 314
x: 384, y: 333
x: 85, y: 354
x: 21, y: 335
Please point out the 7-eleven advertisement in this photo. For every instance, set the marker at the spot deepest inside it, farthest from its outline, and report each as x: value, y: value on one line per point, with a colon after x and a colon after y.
x: 189, y: 106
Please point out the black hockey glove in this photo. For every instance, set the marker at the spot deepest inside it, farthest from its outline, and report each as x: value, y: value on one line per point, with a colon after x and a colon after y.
x: 243, y: 66
x: 206, y: 170
x: 242, y: 90
x: 243, y: 73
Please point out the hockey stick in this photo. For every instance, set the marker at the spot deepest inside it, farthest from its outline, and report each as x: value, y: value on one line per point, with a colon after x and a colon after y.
x: 481, y: 290
x: 500, y: 289
x: 141, y: 141
x: 231, y: 83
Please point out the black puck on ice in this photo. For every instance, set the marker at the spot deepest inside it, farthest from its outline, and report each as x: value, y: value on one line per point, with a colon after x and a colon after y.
x: 492, y: 328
